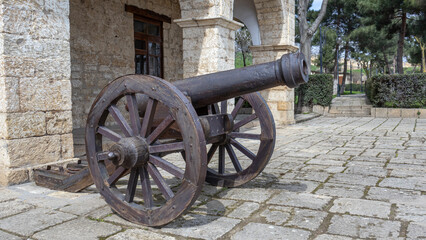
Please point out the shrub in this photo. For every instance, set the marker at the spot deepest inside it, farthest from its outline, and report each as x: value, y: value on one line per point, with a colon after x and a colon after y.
x: 319, y: 90
x: 397, y: 91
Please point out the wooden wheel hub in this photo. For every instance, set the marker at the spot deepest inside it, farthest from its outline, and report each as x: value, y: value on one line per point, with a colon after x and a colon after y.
x: 131, y: 152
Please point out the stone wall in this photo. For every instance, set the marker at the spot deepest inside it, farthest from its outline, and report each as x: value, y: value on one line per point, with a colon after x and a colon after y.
x: 276, y: 21
x: 102, y: 46
x: 35, y: 88
x: 208, y: 37
x: 277, y: 29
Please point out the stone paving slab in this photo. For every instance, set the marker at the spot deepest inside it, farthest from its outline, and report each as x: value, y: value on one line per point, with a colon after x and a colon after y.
x: 328, y: 179
x: 71, y: 230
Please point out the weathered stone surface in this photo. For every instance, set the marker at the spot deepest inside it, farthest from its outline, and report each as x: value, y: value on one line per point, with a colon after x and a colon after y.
x: 341, y: 190
x: 361, y: 207
x: 416, y: 230
x: 103, y: 52
x: 307, y: 219
x: 9, y: 92
x: 244, y: 210
x: 22, y: 125
x: 59, y: 122
x: 91, y: 229
x: 407, y: 183
x: 305, y: 200
x: 354, y: 179
x: 200, y: 226
x: 331, y: 237
x: 276, y: 215
x: 67, y: 146
x: 13, y: 207
x: 295, y: 185
x: 136, y: 234
x: 412, y: 211
x: 45, y: 95
x: 363, y: 227
x: 269, y: 232
x: 216, y: 207
x: 7, y: 195
x: 393, y: 195
x: 92, y: 202
x: 13, y: 176
x: 254, y: 195
x: 35, y: 220
x: 4, y: 235
x: 38, y: 150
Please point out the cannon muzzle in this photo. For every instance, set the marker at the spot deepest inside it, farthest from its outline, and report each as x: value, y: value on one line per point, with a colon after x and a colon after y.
x: 290, y: 70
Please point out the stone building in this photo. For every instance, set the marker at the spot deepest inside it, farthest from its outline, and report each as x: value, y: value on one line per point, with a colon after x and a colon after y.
x: 56, y: 56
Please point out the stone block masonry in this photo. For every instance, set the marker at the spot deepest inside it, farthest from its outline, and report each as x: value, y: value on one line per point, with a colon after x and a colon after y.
x: 280, y: 99
x: 35, y: 87
x: 102, y: 47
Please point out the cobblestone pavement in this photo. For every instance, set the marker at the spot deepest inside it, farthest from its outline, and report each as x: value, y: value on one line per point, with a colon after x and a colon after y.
x: 329, y: 178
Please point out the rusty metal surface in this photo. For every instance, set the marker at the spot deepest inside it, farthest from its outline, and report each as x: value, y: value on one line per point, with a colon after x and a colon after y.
x: 290, y: 70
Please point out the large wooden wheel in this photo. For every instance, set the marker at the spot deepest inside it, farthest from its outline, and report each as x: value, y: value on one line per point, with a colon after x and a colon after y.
x: 154, y: 179
x: 230, y: 168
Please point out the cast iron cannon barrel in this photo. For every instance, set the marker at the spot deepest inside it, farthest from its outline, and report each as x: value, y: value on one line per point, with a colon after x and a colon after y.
x: 290, y: 70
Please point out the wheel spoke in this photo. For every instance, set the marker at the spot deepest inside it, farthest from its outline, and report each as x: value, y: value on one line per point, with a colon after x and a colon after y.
x: 216, y: 108
x: 117, y: 174
x: 135, y: 121
x: 146, y: 187
x: 108, y: 133
x: 234, y: 158
x: 237, y: 107
x: 209, y: 109
x: 211, y: 152
x: 119, y: 118
x: 243, y: 149
x: 131, y: 186
x: 245, y: 135
x: 167, y: 166
x: 221, y: 159
x: 166, y: 148
x: 164, y: 125
x: 148, y: 117
x: 245, y: 121
x: 224, y: 107
x: 161, y: 183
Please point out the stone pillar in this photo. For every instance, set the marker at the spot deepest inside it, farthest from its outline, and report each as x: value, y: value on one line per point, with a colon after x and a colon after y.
x: 35, y: 89
x: 208, y: 45
x: 280, y: 99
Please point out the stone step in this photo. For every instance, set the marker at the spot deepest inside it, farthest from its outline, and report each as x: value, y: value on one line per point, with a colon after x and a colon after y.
x: 347, y: 108
x: 357, y: 103
x: 347, y: 115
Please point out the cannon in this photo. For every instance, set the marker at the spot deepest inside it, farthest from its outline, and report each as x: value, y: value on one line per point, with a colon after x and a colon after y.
x: 152, y: 144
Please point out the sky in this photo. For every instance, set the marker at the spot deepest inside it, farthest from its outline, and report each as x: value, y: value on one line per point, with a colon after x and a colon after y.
x: 316, y: 5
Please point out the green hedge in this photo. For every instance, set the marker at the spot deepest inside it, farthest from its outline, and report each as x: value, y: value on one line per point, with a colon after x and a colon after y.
x: 397, y: 91
x: 318, y: 91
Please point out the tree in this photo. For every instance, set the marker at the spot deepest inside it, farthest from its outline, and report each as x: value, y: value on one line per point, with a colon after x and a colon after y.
x: 391, y: 15
x: 417, y: 29
x: 243, y: 42
x: 328, y: 51
x: 372, y: 48
x: 308, y: 25
x: 307, y: 28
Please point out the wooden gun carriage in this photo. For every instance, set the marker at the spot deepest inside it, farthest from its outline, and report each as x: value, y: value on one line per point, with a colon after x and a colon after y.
x: 171, y: 137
